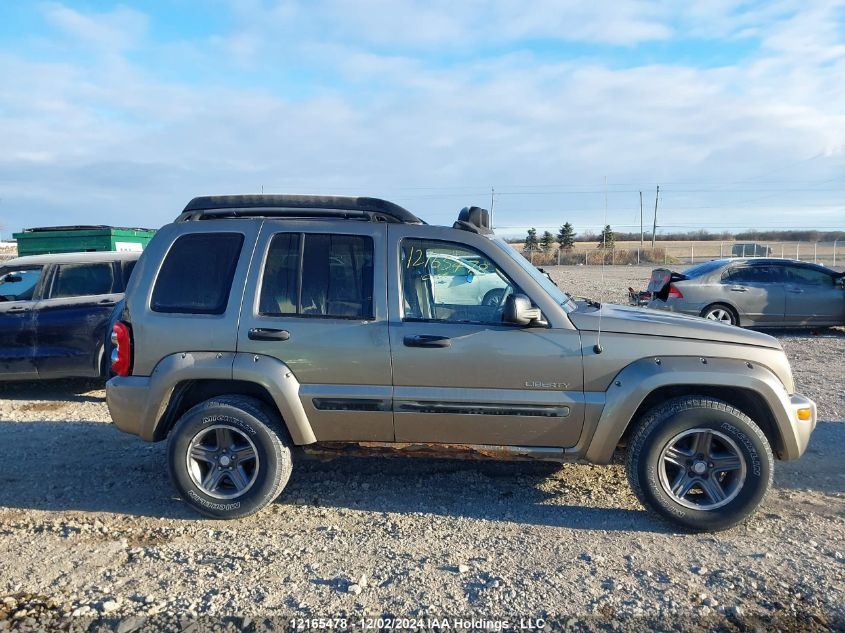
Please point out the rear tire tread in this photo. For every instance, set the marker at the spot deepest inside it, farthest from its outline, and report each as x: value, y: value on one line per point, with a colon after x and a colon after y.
x: 280, y: 442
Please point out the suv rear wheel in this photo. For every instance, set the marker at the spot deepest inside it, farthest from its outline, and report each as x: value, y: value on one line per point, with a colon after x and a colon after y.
x: 700, y: 463
x: 229, y: 457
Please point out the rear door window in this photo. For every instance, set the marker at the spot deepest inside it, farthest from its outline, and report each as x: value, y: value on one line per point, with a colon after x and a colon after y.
x: 196, y: 276
x: 318, y: 275
x: 18, y: 284
x: 82, y: 280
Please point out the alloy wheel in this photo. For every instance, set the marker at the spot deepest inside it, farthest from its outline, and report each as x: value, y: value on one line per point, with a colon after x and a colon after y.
x: 222, y: 461
x: 702, y: 469
x: 719, y: 314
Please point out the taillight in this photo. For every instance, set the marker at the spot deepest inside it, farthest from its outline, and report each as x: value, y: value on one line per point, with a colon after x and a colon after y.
x: 674, y: 293
x: 121, y: 356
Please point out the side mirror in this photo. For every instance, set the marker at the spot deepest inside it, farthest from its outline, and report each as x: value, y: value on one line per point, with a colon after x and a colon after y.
x: 518, y: 310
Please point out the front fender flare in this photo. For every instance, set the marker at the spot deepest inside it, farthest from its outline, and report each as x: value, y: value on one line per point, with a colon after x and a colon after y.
x: 633, y: 384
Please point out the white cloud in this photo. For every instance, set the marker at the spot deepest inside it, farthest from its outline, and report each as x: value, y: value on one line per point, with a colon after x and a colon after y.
x: 117, y: 30
x: 111, y: 141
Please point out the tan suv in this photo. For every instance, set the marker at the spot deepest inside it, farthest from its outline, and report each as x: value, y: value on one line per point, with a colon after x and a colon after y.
x: 255, y: 324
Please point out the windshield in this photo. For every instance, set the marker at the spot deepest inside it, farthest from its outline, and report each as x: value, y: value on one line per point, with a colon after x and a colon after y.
x: 553, y: 291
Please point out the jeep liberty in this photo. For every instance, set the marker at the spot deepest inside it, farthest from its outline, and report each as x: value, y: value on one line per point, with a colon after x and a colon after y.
x: 258, y: 324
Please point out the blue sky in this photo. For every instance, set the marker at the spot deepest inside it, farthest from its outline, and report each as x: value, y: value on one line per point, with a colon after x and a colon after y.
x: 119, y: 113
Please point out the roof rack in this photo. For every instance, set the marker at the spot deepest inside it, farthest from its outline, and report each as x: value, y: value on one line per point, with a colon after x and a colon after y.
x: 296, y: 206
x: 81, y: 227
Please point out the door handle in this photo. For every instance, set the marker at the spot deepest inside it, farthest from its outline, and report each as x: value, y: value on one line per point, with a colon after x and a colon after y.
x: 19, y: 309
x: 796, y: 291
x: 107, y: 302
x: 738, y: 289
x: 427, y: 340
x: 267, y: 334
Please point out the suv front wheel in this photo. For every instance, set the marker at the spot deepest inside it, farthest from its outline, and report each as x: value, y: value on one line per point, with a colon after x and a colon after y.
x: 229, y: 457
x: 699, y: 463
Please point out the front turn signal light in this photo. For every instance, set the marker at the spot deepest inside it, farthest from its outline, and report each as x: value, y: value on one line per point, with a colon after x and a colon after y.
x: 805, y: 414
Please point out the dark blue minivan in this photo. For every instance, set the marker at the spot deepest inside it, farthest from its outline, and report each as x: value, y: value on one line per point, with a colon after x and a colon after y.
x: 54, y: 311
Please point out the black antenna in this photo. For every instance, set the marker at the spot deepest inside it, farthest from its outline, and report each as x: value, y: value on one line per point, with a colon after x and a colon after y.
x: 597, y: 348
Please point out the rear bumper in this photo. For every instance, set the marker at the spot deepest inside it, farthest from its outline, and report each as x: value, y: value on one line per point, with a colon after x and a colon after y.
x: 129, y: 399
x: 678, y: 307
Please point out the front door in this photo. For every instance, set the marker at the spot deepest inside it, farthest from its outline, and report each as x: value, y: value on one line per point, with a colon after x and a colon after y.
x: 19, y: 288
x: 71, y: 320
x: 461, y: 374
x: 318, y: 308
x: 813, y: 297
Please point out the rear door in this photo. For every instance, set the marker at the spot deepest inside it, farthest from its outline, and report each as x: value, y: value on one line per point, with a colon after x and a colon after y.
x: 70, y: 321
x: 20, y: 288
x: 813, y: 297
x: 757, y: 291
x: 316, y: 300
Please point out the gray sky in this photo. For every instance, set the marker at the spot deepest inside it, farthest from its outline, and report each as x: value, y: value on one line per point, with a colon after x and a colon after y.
x: 120, y: 113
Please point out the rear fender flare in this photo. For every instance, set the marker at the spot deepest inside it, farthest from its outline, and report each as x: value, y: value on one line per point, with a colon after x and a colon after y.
x: 279, y: 381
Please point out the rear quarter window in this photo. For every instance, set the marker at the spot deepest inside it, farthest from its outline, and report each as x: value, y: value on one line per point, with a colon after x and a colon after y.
x: 196, y: 276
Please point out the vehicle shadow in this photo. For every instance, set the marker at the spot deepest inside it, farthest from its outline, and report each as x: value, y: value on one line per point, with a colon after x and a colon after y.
x: 65, y: 389
x: 837, y: 332
x: 93, y: 467
x: 820, y: 468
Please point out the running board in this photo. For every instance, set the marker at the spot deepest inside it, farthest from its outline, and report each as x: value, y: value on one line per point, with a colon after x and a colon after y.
x: 437, y: 450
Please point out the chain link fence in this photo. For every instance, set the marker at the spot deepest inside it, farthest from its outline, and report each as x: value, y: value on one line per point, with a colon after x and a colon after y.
x: 830, y: 254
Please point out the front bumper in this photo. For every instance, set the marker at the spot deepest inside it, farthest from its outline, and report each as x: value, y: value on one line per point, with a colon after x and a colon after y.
x: 795, y: 445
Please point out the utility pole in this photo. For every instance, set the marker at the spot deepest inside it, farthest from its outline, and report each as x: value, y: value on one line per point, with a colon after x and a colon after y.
x: 654, y: 229
x: 492, y: 204
x: 642, y: 235
x: 641, y: 228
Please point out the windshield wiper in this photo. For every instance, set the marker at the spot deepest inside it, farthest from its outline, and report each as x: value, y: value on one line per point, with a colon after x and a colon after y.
x: 590, y: 302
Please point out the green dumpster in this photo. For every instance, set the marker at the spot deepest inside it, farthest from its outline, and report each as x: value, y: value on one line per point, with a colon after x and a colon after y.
x: 74, y: 239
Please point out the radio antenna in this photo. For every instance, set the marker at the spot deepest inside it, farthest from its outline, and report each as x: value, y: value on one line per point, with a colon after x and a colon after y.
x: 597, y: 348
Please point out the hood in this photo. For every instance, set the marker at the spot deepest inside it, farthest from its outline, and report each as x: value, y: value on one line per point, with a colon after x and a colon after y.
x: 631, y: 320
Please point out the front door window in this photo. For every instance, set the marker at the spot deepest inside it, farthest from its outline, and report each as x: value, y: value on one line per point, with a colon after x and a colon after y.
x: 443, y: 281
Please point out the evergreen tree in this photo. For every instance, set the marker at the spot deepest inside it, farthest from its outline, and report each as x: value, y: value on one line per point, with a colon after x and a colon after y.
x: 531, y: 240
x: 607, y: 239
x: 547, y: 242
x: 566, y: 236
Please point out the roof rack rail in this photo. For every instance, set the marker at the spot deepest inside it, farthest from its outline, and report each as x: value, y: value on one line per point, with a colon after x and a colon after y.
x: 296, y: 206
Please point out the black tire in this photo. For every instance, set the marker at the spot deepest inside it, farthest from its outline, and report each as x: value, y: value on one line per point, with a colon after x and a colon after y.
x: 716, y: 308
x: 689, y: 418
x: 260, y: 432
x: 493, y: 297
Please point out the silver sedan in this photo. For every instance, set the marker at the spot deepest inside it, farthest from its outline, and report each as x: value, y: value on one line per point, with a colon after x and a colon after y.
x: 758, y: 292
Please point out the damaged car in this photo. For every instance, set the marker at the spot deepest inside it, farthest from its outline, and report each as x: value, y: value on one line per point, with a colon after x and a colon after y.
x: 756, y: 293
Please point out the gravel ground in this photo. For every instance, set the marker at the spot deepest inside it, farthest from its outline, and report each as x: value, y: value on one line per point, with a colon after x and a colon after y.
x: 92, y: 534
